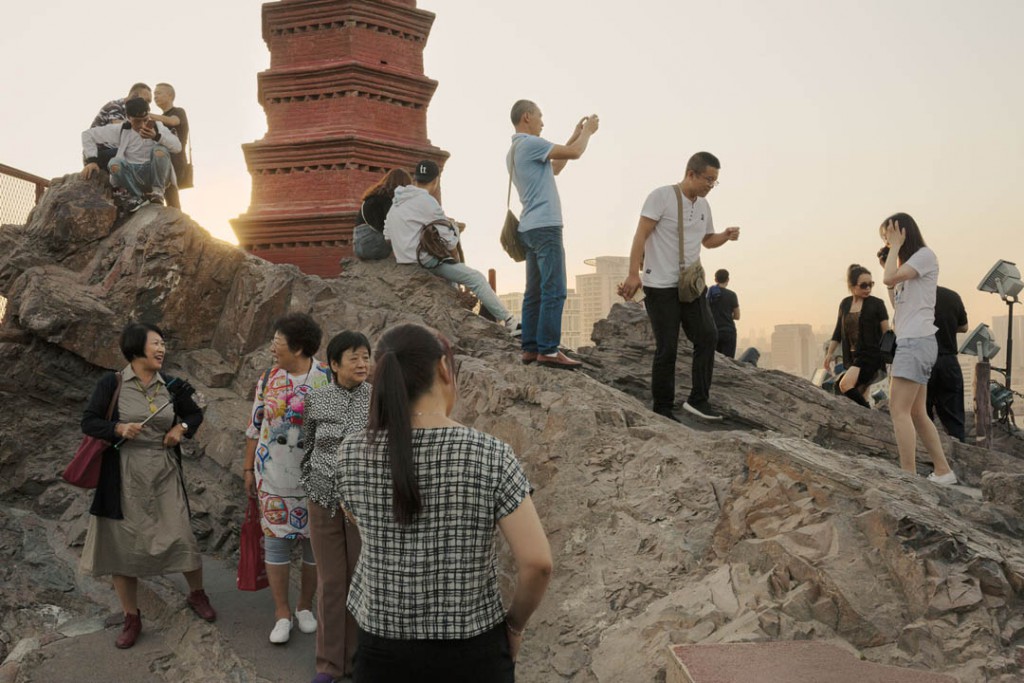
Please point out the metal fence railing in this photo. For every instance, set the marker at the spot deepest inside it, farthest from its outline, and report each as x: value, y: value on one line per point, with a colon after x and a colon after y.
x: 19, y: 193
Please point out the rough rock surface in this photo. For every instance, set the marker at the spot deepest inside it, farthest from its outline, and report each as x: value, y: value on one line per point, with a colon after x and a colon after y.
x: 790, y: 521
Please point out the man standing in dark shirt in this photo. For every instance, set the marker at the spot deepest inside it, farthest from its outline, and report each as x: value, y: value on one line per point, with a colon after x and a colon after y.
x: 174, y: 118
x: 946, y: 386
x: 725, y: 307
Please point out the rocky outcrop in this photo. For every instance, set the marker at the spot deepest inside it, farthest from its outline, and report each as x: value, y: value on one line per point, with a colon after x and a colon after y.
x: 789, y: 521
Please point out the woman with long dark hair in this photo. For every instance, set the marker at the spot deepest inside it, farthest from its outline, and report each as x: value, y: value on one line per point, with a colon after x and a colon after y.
x: 911, y: 274
x: 427, y: 494
x: 333, y: 412
x: 369, y: 242
x: 862, y: 321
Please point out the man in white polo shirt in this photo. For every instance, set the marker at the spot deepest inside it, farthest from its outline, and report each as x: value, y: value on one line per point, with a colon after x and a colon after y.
x: 656, y: 249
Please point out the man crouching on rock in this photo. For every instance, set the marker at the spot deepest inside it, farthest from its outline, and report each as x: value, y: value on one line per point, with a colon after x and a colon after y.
x: 142, y: 165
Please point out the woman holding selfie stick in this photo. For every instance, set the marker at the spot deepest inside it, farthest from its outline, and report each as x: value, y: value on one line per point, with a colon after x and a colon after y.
x: 139, y: 524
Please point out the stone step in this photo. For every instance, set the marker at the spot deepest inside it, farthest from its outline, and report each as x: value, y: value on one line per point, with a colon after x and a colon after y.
x: 783, y: 662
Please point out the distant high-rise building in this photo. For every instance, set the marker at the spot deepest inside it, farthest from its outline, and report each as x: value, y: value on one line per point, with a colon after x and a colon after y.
x: 794, y: 349
x: 967, y: 364
x: 573, y: 335
x: 598, y: 290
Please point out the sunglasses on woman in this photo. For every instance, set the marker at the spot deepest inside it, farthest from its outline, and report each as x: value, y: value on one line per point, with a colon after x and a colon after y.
x: 865, y: 285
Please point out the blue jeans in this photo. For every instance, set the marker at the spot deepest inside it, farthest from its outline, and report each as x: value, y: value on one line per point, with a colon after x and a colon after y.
x: 461, y: 274
x: 545, y: 289
x: 139, y: 179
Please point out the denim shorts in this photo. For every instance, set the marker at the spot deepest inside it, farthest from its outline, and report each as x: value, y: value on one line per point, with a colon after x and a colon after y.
x: 279, y: 550
x: 915, y: 358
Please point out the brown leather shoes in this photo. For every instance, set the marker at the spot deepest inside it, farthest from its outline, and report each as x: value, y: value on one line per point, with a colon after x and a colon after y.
x: 130, y: 632
x: 199, y: 601
x: 529, y: 357
x: 561, y: 361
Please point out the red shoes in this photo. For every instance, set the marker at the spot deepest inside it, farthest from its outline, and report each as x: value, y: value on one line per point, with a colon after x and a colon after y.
x: 130, y: 632
x: 199, y: 601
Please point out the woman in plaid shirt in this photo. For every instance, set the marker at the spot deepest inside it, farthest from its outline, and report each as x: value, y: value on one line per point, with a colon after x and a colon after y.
x: 427, y: 494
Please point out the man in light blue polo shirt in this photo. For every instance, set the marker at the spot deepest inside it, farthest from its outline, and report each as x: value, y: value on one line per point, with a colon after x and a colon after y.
x: 534, y: 162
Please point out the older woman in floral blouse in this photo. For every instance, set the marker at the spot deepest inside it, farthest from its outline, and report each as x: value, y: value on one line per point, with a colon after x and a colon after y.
x: 332, y: 413
x: 273, y: 458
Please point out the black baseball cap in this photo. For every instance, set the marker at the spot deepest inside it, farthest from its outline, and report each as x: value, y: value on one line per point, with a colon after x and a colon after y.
x: 426, y: 171
x: 136, y: 107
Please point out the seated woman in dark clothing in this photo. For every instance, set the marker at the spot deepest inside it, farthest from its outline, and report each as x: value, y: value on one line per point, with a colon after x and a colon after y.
x: 369, y: 241
x: 862, y: 321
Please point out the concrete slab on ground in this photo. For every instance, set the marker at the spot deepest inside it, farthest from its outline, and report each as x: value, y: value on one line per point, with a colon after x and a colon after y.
x: 784, y: 662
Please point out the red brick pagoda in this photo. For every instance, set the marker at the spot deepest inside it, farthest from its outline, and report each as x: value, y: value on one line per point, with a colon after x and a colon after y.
x: 346, y: 101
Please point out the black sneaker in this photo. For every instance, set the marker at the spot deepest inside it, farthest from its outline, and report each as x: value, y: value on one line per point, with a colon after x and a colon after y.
x: 702, y: 409
x: 669, y: 414
x: 133, y: 204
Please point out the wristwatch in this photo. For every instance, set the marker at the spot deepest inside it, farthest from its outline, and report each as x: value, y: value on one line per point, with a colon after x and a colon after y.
x: 184, y: 426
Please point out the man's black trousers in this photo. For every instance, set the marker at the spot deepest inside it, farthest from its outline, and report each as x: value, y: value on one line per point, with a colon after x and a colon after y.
x: 667, y: 315
x: 946, y: 395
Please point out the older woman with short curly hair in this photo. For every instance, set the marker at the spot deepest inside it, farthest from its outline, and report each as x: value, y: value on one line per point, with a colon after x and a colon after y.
x: 273, y: 460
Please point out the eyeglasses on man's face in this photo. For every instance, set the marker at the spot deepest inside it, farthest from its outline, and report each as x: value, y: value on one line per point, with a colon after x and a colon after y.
x: 709, y: 180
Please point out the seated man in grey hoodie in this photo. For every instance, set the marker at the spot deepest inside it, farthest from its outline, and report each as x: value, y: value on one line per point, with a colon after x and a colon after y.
x: 414, y: 208
x: 142, y: 164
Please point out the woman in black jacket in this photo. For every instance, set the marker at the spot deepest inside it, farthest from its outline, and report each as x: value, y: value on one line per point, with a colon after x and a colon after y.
x: 862, y: 321
x: 140, y: 518
x: 369, y: 241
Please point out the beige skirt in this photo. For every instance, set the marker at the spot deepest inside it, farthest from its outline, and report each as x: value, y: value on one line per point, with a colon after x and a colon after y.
x: 155, y: 536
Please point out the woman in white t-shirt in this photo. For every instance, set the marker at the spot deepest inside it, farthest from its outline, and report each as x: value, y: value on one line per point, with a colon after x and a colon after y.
x: 911, y: 274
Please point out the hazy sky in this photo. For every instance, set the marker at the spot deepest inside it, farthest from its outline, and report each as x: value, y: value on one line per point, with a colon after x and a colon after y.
x: 827, y: 117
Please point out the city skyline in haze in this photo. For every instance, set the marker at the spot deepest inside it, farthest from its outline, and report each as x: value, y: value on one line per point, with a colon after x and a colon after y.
x: 827, y: 119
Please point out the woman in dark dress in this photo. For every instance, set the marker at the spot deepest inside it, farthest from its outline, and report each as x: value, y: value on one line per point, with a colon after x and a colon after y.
x: 370, y: 244
x: 861, y: 322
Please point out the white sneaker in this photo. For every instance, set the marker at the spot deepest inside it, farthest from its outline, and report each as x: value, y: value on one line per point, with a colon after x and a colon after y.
x: 282, y: 631
x: 307, y: 622
x: 947, y: 479
x: 514, y: 327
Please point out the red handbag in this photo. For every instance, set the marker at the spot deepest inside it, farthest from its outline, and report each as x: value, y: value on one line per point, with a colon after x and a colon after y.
x: 252, y: 569
x: 84, y: 469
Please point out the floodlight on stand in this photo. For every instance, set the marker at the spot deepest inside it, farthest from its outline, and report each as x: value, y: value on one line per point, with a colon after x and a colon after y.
x: 1001, y: 397
x: 980, y: 343
x: 1003, y: 279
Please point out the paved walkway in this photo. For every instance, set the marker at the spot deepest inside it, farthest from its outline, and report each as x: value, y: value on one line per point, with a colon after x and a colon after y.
x: 243, y: 625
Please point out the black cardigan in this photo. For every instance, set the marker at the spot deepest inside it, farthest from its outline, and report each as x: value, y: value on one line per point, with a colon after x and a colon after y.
x: 107, y: 500
x: 375, y: 210
x: 872, y: 313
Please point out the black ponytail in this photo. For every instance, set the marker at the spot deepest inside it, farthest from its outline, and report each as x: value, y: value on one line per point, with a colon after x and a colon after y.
x: 405, y: 369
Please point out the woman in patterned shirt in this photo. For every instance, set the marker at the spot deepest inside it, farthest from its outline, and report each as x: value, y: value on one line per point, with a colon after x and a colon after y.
x: 332, y: 413
x: 427, y: 494
x: 273, y: 458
